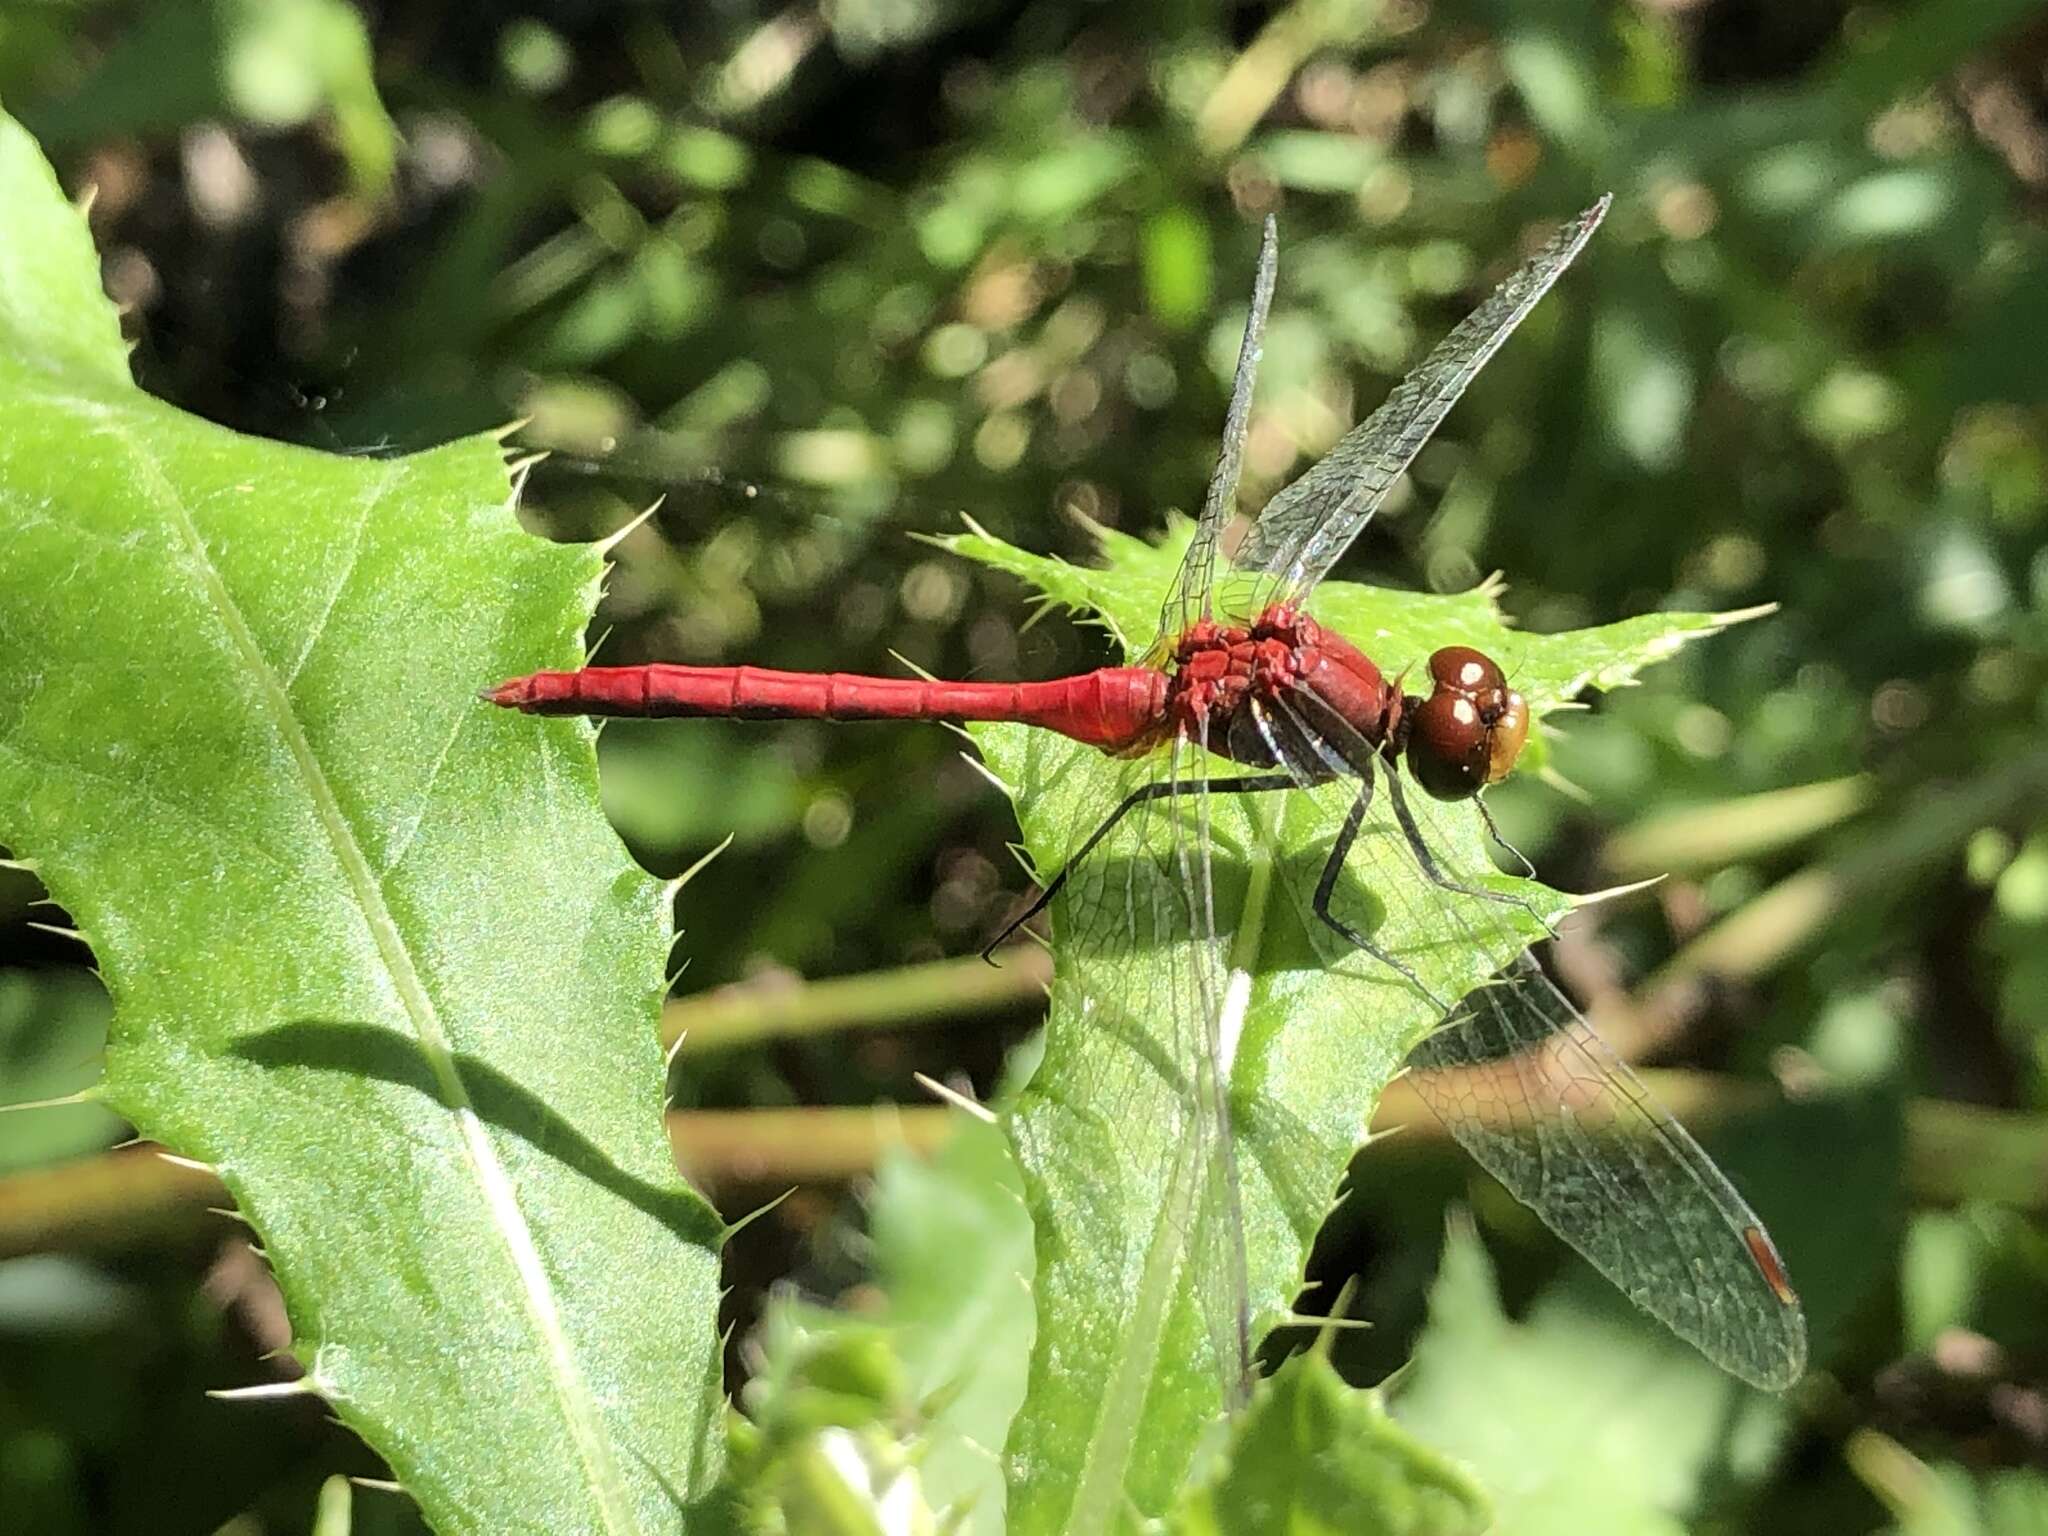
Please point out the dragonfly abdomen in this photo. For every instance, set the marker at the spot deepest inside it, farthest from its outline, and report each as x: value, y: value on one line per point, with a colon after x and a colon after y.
x: 1113, y: 708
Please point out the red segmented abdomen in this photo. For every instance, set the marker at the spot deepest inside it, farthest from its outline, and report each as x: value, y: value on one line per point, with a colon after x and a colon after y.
x: 1114, y: 708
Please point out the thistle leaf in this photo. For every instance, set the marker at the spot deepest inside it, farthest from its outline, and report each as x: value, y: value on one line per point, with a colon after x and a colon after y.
x: 373, y: 951
x: 1126, y: 1376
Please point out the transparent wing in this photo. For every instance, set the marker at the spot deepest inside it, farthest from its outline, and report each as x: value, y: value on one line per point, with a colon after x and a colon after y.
x: 1221, y: 1274
x: 1305, y: 528
x: 1189, y: 600
x: 1518, y: 1076
x: 1137, y: 940
x: 1524, y: 1084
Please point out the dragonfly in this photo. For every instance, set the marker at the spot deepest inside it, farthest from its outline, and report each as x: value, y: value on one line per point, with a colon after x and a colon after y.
x: 1244, y: 694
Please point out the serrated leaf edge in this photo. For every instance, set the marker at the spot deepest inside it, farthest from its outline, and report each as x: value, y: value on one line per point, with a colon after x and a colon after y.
x: 579, y: 1407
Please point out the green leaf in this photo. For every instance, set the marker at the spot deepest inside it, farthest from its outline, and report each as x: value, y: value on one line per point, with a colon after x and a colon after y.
x: 1125, y: 1375
x: 952, y: 1245
x: 829, y: 1444
x: 856, y: 1420
x: 1315, y: 1457
x: 1950, y: 1499
x: 1531, y: 1407
x: 373, y: 952
x: 53, y: 316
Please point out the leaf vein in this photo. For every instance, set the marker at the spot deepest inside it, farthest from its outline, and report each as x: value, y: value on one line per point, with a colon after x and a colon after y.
x: 237, y: 837
x: 355, y: 553
x: 578, y: 1405
x: 426, y: 794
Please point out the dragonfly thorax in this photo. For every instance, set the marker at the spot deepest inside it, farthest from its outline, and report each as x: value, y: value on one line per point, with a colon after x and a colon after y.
x: 1255, y: 693
x: 1284, y: 691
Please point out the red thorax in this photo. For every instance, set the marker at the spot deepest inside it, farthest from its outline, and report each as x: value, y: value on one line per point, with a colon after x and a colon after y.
x: 1222, y: 671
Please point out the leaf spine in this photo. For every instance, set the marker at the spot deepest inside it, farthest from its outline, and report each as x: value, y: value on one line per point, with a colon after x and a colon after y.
x: 612, y: 540
x: 263, y: 1391
x: 955, y: 1097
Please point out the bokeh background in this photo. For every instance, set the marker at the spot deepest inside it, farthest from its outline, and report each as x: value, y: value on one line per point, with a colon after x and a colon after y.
x: 828, y: 274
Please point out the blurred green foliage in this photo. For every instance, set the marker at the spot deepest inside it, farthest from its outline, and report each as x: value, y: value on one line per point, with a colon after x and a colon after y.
x: 819, y: 276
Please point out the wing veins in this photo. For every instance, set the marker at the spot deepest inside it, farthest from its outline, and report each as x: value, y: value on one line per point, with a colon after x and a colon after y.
x: 1308, y: 526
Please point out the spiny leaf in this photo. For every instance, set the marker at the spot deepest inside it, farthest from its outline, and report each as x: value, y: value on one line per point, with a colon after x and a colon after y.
x: 1314, y: 1457
x: 1124, y: 1375
x: 908, y: 1400
x: 374, y: 953
x: 953, y: 1257
x: 1531, y: 1406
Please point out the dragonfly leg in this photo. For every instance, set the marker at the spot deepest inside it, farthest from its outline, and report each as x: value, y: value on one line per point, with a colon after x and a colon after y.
x: 1364, y: 759
x: 1247, y: 785
x: 1327, y: 885
x: 1493, y: 831
x: 1419, y: 846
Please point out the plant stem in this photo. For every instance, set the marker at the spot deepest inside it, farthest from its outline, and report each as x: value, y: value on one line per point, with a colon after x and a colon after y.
x: 132, y: 1196
x: 749, y: 1012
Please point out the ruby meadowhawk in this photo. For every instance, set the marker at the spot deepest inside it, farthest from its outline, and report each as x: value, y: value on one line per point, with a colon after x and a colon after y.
x: 1245, y: 695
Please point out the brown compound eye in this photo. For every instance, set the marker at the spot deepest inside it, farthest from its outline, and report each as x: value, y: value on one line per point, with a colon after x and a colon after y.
x: 1510, y: 734
x: 1464, y: 670
x: 1469, y: 732
x: 1447, y: 745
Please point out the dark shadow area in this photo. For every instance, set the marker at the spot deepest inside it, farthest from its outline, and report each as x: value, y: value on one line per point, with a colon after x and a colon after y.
x: 358, y: 1050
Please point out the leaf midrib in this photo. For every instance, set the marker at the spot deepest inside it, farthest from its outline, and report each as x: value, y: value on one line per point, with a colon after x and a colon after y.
x: 579, y: 1409
x: 1101, y: 1491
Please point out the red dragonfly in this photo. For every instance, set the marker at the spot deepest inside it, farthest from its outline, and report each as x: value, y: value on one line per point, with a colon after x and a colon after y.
x: 1242, y: 674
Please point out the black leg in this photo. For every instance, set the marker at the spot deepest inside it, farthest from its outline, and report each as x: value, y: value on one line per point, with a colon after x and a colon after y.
x: 1362, y: 758
x: 1492, y: 831
x: 1332, y: 868
x: 1419, y: 846
x: 1251, y: 784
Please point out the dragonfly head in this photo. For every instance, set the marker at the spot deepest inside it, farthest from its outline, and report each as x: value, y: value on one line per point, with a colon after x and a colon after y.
x: 1469, y: 731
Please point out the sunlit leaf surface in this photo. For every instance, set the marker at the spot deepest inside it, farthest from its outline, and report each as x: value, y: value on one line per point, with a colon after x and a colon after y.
x: 1125, y: 1373
x: 877, y: 1419
x: 1316, y: 1457
x: 1578, y: 1417
x: 373, y: 952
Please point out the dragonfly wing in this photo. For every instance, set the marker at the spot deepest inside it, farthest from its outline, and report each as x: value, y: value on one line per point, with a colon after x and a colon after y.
x: 1525, y: 1085
x: 1141, y: 964
x: 1521, y: 1080
x: 1212, y: 1020
x: 1189, y: 601
x: 1305, y: 528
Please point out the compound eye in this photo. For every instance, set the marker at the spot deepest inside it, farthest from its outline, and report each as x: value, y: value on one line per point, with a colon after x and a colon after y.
x: 1461, y: 668
x: 1448, y: 745
x: 1509, y: 735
